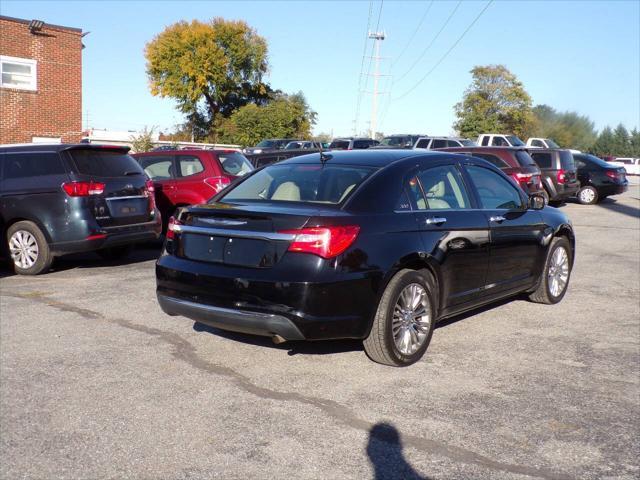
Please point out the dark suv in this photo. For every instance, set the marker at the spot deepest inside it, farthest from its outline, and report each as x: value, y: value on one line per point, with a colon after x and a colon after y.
x: 514, y: 161
x: 559, y: 175
x: 598, y: 179
x: 59, y: 199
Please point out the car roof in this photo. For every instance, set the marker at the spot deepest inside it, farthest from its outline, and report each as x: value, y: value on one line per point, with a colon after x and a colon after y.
x: 481, y: 149
x: 367, y: 157
x: 59, y: 147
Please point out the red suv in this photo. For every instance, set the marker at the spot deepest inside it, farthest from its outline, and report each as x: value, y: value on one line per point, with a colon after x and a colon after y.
x: 187, y: 177
x: 514, y: 161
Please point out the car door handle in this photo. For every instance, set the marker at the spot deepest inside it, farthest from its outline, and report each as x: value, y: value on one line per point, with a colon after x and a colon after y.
x: 497, y: 219
x: 436, y: 220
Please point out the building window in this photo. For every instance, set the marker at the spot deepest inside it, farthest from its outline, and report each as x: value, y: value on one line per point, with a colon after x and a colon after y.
x: 18, y: 73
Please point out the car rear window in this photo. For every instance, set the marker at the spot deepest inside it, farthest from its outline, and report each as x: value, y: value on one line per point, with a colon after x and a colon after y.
x: 542, y: 159
x: 566, y: 160
x: 524, y: 159
x: 105, y: 163
x: 498, y: 162
x: 313, y: 183
x: 235, y: 163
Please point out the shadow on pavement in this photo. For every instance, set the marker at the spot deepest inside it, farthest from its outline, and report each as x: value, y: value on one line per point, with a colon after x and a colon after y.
x: 610, y: 204
x: 321, y: 347
x: 385, y: 453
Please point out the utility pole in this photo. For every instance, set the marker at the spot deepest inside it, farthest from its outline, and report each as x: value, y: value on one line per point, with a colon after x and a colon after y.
x: 377, y: 37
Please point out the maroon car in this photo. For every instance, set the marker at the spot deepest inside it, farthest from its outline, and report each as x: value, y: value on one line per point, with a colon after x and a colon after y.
x: 514, y: 161
x: 188, y: 177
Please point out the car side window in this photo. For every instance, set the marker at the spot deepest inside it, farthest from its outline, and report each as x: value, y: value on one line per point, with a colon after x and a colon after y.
x: 444, y: 188
x: 537, y: 143
x: 404, y: 204
x: 579, y: 163
x: 21, y: 165
x: 453, y: 143
x: 494, y: 191
x: 157, y: 167
x: 498, y: 162
x: 485, y: 141
x: 542, y: 159
x: 438, y: 143
x: 499, y: 142
x: 189, y: 165
x: 423, y: 143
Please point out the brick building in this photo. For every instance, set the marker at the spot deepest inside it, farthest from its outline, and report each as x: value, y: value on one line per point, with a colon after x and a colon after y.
x: 41, y: 82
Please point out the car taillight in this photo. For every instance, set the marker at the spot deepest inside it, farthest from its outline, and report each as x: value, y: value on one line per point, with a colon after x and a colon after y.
x: 150, y: 192
x: 612, y: 174
x: 561, y: 176
x: 83, y: 189
x: 171, y: 227
x: 326, y: 242
x: 217, y: 183
x: 522, y: 177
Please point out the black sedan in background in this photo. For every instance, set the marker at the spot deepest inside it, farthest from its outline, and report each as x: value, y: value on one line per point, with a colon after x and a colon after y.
x: 375, y: 245
x: 598, y: 179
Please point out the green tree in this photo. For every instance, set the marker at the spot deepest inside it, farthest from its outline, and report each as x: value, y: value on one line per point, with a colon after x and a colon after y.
x: 211, y: 69
x: 568, y: 129
x: 621, y: 141
x: 634, y: 142
x: 285, y: 116
x: 605, y: 143
x: 144, y: 141
x: 496, y: 101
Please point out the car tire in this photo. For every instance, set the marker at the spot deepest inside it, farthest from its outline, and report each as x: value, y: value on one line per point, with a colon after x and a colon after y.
x: 412, y: 333
x: 557, y: 268
x: 28, y: 249
x: 545, y: 195
x: 115, y: 253
x: 588, y: 195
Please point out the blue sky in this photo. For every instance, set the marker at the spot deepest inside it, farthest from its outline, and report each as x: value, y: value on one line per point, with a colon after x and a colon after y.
x: 580, y: 55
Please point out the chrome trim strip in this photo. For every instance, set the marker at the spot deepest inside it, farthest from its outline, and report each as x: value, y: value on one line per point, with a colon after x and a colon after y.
x: 223, y: 232
x: 125, y: 198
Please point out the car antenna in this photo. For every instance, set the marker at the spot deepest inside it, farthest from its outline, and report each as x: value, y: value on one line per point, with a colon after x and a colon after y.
x: 323, y: 156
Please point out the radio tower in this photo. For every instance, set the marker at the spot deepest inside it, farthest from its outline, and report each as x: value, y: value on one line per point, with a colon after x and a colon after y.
x: 377, y: 37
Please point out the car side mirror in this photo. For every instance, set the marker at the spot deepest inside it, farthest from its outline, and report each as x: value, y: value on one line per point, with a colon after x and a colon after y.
x: 536, y: 202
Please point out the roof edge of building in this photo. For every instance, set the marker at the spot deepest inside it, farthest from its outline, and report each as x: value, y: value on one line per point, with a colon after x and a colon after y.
x: 50, y: 25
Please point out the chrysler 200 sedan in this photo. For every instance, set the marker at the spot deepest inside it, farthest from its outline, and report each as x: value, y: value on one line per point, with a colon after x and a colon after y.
x: 374, y: 245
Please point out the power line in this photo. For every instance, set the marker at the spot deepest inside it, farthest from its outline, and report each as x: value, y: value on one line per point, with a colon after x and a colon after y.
x: 364, y: 54
x: 413, y: 35
x: 447, y: 52
x: 424, y: 52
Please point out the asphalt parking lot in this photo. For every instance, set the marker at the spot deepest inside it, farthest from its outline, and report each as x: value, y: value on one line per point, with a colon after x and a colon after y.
x: 96, y: 382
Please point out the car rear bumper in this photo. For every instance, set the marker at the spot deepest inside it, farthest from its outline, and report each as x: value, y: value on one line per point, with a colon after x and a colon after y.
x: 564, y: 191
x: 256, y: 323
x: 265, y: 302
x: 111, y: 237
x: 613, y: 189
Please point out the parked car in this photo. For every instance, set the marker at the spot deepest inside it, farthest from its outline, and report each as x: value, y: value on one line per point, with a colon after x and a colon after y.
x: 598, y: 179
x: 631, y: 165
x: 399, y: 141
x: 269, y: 145
x: 559, y: 175
x: 514, y: 161
x: 376, y: 244
x: 499, y: 140
x: 541, y: 143
x: 430, y: 143
x: 352, y: 143
x: 302, y: 145
x: 183, y: 177
x: 70, y: 198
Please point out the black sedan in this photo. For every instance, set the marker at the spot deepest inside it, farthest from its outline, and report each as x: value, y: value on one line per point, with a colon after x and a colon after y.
x: 598, y: 179
x: 375, y: 245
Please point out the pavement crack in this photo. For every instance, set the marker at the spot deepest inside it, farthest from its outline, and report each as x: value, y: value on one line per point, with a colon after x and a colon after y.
x: 186, y: 352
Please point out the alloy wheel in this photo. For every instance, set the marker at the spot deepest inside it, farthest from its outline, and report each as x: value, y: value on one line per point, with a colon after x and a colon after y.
x: 558, y: 274
x: 587, y: 195
x: 411, y: 319
x: 24, y: 249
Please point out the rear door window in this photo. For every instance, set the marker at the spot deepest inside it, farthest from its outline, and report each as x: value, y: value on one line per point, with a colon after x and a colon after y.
x: 444, y: 188
x: 438, y: 143
x: 524, y: 159
x: 235, y: 163
x: 494, y: 191
x: 105, y: 163
x: 158, y: 167
x: 34, y: 164
x: 189, y: 165
x: 542, y: 159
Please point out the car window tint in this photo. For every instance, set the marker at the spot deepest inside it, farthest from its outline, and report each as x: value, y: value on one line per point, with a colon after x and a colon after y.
x: 537, y: 143
x: 20, y: 165
x: 542, y: 159
x: 437, y: 143
x: 494, y: 191
x: 499, y: 142
x: 235, y: 163
x: 453, y: 143
x: 566, y: 160
x: 189, y: 165
x: 485, y: 141
x: 157, y: 167
x: 416, y: 196
x: 423, y: 143
x: 403, y: 202
x: 444, y: 188
x: 498, y: 162
x: 105, y: 163
x: 339, y: 144
x: 524, y: 159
